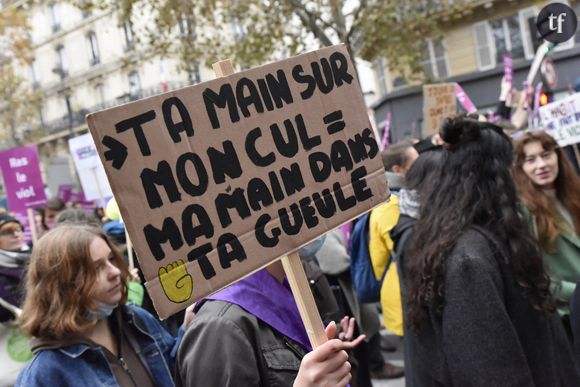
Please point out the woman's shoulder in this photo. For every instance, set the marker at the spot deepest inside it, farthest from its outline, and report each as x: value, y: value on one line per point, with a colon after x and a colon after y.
x: 475, y: 247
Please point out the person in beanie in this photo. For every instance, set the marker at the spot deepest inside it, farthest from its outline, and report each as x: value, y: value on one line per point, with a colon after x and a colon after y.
x: 14, y: 255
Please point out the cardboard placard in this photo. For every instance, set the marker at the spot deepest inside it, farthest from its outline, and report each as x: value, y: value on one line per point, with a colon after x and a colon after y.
x: 217, y: 180
x: 438, y: 102
x: 561, y: 119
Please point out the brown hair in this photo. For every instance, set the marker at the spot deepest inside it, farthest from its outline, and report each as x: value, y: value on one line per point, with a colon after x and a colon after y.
x: 396, y: 154
x: 59, y: 282
x: 533, y: 197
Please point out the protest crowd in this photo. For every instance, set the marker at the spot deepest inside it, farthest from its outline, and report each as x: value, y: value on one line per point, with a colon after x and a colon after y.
x: 468, y: 258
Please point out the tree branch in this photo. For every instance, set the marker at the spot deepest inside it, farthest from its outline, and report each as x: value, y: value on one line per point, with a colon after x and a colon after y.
x: 309, y: 21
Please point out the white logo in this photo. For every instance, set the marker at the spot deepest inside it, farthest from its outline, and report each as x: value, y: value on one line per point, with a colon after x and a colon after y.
x: 559, y: 19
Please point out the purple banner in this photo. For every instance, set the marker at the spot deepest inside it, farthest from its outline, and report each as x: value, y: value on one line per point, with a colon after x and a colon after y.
x: 78, y: 200
x: 464, y: 99
x: 508, y: 67
x: 385, y: 140
x: 22, y: 179
x: 64, y: 192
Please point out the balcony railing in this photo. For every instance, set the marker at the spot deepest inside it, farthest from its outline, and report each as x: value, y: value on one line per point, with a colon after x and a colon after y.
x: 77, y: 118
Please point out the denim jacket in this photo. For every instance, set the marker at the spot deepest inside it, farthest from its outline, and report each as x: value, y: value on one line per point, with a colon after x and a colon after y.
x: 80, y: 364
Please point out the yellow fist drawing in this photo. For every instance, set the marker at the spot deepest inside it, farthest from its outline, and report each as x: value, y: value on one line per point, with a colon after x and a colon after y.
x: 176, y: 281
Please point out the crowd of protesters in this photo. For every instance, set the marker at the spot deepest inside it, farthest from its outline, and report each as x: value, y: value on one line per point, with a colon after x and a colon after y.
x: 478, y: 249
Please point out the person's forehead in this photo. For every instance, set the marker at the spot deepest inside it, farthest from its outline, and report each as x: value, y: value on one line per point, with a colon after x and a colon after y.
x: 533, y: 147
x: 99, y: 249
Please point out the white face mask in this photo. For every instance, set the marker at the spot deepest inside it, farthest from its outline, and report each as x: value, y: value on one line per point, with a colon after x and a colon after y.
x: 103, y: 311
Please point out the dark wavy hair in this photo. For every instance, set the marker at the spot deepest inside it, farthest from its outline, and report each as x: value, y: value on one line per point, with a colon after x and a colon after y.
x: 472, y: 186
x: 535, y: 199
x: 421, y: 174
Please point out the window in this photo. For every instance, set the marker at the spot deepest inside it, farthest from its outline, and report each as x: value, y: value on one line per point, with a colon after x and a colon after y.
x: 507, y: 36
x: 100, y: 94
x: 54, y: 13
x: 531, y: 36
x: 94, y: 57
x: 510, y: 34
x: 483, y: 46
x: 34, y: 74
x: 433, y: 59
x: 195, y: 77
x: 134, y: 84
x: 129, y: 37
x: 60, y: 67
x: 68, y: 105
x: 185, y: 26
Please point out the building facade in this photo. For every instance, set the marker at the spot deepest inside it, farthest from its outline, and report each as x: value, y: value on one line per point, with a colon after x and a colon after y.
x: 85, y: 62
x: 470, y: 53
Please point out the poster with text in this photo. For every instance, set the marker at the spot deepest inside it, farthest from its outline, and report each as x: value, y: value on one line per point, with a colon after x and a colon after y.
x: 438, y: 103
x: 217, y: 180
x: 23, y: 183
x: 561, y: 119
x: 89, y: 168
x: 22, y: 178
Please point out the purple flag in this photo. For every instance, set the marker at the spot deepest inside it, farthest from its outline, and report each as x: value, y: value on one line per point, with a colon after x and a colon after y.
x: 22, y: 179
x: 385, y: 140
x: 508, y: 67
x: 464, y: 99
x: 64, y: 192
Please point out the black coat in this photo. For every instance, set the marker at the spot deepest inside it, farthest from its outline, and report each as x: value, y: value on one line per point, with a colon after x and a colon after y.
x: 487, y: 333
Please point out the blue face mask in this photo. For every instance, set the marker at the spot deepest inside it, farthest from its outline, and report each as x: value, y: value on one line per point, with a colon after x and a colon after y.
x: 103, y: 311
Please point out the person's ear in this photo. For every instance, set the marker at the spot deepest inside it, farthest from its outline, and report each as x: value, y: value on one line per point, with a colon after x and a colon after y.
x: 397, y: 169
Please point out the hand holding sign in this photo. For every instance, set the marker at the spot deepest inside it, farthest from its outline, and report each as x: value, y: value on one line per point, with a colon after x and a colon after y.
x: 176, y: 281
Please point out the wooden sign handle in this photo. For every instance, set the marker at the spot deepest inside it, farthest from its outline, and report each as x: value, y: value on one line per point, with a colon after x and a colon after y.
x: 32, y: 224
x: 304, y: 299
x: 292, y: 265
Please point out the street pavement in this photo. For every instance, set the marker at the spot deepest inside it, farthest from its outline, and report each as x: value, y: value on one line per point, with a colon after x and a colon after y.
x: 393, y: 357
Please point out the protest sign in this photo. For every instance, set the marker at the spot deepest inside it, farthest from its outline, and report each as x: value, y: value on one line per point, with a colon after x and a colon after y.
x: 23, y: 185
x: 438, y: 102
x: 64, y: 192
x: 217, y: 180
x: 561, y: 119
x: 464, y: 99
x: 22, y: 178
x: 89, y: 168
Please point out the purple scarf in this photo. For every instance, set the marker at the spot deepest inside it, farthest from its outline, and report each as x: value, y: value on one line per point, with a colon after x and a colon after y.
x: 272, y: 302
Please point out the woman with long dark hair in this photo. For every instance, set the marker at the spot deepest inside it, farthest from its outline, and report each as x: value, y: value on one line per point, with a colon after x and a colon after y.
x: 549, y: 188
x: 479, y: 303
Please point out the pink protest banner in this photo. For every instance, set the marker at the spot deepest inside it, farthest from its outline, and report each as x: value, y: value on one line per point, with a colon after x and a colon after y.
x: 64, y: 192
x: 22, y: 178
x: 464, y: 99
x: 508, y: 67
x: 385, y: 140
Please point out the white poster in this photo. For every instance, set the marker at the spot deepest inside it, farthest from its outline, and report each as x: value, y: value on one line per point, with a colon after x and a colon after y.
x: 561, y: 119
x: 89, y: 168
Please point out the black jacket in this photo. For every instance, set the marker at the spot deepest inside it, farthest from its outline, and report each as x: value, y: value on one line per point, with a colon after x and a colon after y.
x: 226, y: 346
x: 487, y: 333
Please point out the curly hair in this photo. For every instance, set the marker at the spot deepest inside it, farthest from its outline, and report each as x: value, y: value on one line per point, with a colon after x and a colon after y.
x: 60, y: 282
x: 471, y: 186
x: 535, y: 199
